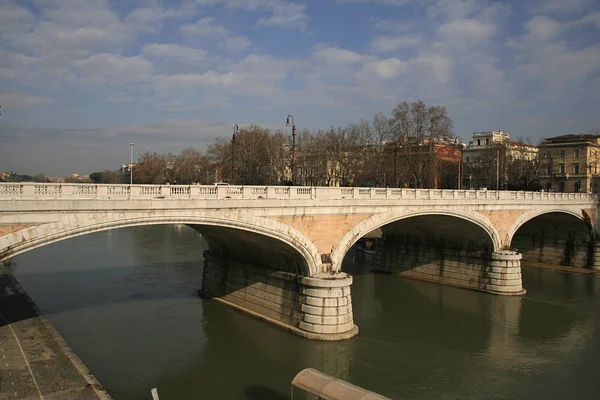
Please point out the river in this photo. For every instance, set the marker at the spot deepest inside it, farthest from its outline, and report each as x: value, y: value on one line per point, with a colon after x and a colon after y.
x: 125, y: 300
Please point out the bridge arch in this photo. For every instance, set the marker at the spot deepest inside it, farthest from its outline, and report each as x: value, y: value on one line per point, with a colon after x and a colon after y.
x: 40, y: 235
x: 379, y: 220
x: 530, y: 215
x: 556, y: 236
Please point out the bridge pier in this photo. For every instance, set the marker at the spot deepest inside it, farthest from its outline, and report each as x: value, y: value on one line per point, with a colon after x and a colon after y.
x: 498, y: 272
x: 595, y: 256
x: 504, y: 274
x: 317, y: 307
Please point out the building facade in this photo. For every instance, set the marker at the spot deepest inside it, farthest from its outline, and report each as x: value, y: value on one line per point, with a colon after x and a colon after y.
x: 493, y: 160
x: 570, y: 163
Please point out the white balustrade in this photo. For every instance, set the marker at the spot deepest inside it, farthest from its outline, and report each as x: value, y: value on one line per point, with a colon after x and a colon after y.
x: 32, y: 190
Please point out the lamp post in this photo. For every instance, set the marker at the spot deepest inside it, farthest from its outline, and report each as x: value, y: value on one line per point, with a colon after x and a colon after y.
x: 130, y: 163
x: 293, y: 145
x: 459, y: 169
x: 235, y: 130
x: 498, y: 173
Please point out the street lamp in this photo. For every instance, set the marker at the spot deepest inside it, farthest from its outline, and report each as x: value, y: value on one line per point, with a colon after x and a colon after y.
x: 287, y: 123
x: 130, y: 163
x: 235, y: 130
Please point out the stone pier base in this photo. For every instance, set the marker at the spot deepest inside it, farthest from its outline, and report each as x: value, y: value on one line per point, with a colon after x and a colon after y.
x: 504, y: 274
x: 595, y: 255
x: 317, y: 307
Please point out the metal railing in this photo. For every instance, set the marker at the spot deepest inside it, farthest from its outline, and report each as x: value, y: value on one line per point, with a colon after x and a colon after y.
x: 30, y: 190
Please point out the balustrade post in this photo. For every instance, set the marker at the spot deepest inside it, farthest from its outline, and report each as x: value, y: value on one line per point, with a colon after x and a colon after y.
x: 67, y: 190
x: 135, y: 191
x: 101, y: 191
x: 28, y: 190
x: 165, y: 191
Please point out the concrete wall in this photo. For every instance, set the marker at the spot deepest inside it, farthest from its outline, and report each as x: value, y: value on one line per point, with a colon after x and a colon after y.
x: 270, y: 293
x: 553, y: 251
x: 556, y: 239
x: 466, y: 269
x: 315, y: 308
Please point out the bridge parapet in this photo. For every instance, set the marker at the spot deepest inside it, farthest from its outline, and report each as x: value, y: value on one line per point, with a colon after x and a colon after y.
x: 31, y: 191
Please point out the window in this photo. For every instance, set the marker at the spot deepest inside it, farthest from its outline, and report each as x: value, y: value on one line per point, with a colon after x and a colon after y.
x: 487, y: 142
x: 562, y: 154
x: 595, y: 169
x: 576, y: 153
x: 577, y: 187
x: 575, y: 168
x: 478, y: 142
x: 549, y: 169
x: 562, y: 168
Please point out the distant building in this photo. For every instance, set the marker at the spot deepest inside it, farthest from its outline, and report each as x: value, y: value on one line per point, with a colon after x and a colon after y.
x: 569, y: 163
x: 483, y: 142
x: 488, y: 157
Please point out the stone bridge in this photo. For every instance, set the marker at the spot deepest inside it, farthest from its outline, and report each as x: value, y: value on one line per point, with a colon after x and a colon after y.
x: 276, y: 252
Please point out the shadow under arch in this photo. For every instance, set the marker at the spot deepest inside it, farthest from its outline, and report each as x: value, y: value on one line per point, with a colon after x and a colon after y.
x: 559, y: 237
x: 530, y: 215
x: 381, y: 220
x: 30, y: 238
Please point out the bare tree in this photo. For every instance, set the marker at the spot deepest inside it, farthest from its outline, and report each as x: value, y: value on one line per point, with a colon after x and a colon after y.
x: 416, y: 129
x: 311, y: 158
x: 219, y: 157
x: 190, y: 167
x: 150, y: 168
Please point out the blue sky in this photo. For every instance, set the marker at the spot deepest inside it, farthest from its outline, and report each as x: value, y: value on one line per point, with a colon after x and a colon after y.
x: 81, y: 79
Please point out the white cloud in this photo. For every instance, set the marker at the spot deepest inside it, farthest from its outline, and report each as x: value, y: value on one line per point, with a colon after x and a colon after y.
x: 119, y: 97
x: 204, y: 27
x: 174, y: 52
x: 439, y: 64
x: 592, y: 18
x: 386, y: 69
x: 561, y: 6
x: 14, y: 19
x: 114, y: 70
x: 467, y: 29
x: 236, y: 43
x: 542, y: 28
x: 149, y: 18
x: 287, y: 15
x: 455, y: 9
x: 16, y: 99
x: 392, y: 43
x: 391, y: 26
x: 335, y: 55
x: 208, y: 27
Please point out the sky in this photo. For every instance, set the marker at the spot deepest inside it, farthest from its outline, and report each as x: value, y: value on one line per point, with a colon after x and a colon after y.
x: 81, y: 79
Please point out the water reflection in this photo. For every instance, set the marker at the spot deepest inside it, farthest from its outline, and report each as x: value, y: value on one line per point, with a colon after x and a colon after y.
x: 125, y: 300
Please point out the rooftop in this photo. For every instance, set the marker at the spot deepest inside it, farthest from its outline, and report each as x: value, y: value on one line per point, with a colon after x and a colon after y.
x: 573, y: 137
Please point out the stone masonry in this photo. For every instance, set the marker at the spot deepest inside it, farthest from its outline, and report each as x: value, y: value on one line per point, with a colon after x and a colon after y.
x: 277, y: 252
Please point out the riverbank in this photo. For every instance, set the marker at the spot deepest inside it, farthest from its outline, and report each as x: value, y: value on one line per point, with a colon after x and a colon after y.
x: 36, y: 362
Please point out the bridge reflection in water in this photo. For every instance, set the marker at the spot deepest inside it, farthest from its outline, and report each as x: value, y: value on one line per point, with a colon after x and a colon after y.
x: 128, y: 308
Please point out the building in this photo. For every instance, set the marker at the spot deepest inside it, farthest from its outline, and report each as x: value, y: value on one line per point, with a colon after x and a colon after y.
x: 569, y: 163
x: 483, y: 142
x: 492, y: 159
